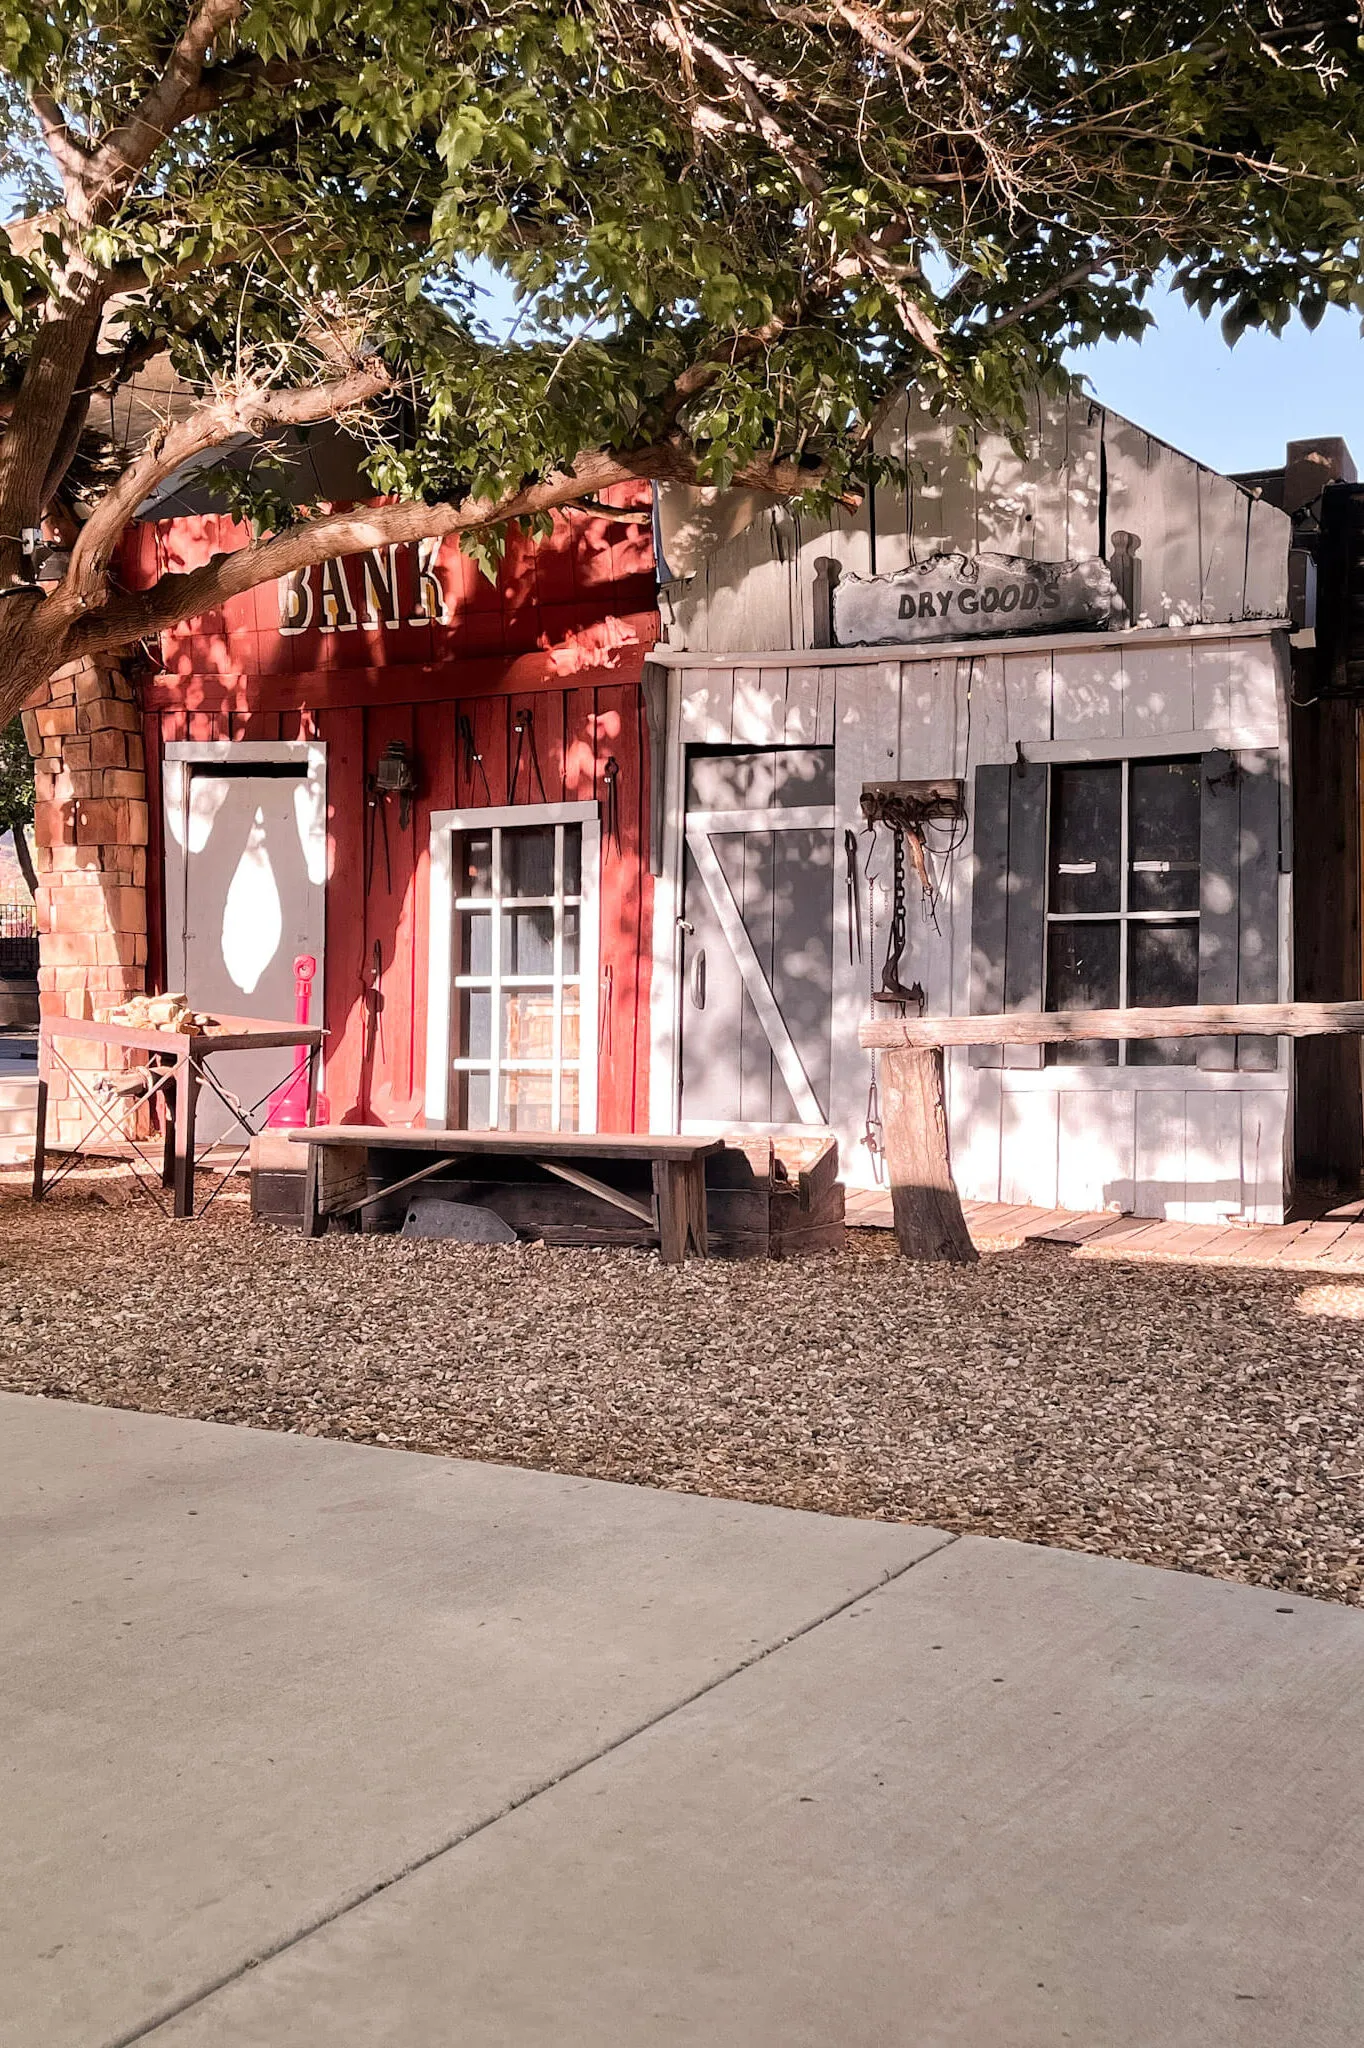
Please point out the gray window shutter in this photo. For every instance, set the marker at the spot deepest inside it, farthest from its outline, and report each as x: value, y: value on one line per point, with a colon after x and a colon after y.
x: 1009, y: 843
x: 1238, y: 934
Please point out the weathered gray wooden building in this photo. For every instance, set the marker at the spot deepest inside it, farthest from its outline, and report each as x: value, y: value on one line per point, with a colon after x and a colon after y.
x: 1113, y: 825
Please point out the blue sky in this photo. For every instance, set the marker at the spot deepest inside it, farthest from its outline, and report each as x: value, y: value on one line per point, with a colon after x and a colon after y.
x: 1234, y: 408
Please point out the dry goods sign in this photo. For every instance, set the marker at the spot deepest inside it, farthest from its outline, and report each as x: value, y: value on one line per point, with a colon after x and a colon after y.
x: 961, y: 597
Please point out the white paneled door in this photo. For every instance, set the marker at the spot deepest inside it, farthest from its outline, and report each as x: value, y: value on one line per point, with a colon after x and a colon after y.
x: 245, y: 898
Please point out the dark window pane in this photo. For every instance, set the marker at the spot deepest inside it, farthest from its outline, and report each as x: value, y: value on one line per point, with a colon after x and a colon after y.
x: 528, y: 942
x: 473, y: 1108
x: 1162, y: 970
x: 476, y: 866
x: 476, y: 942
x: 1082, y: 974
x: 573, y: 860
x: 1162, y: 836
x: 476, y: 1023
x: 528, y: 861
x: 1086, y: 837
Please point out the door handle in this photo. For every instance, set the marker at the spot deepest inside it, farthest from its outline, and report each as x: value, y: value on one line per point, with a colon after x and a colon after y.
x: 698, y: 978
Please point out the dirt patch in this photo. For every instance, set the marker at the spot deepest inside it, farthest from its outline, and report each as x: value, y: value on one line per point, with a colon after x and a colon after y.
x: 1176, y: 1415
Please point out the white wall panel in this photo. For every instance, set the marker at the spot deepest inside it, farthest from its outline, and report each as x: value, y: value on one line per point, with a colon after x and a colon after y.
x: 1264, y: 1116
x: 1029, y: 1124
x: 1212, y: 1156
x: 1095, y: 1149
x: 759, y: 713
x: 1157, y: 685
x: 1159, y: 1151
x: 1086, y: 696
x: 974, y: 1107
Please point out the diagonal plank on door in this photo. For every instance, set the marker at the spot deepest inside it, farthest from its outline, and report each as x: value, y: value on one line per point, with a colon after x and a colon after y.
x: 755, y: 982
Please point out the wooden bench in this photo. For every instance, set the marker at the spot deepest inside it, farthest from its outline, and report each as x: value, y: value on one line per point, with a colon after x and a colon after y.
x: 929, y: 1223
x: 340, y: 1174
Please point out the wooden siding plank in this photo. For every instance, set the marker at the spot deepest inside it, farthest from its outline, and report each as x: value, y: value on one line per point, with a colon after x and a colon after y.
x: 989, y: 900
x: 1257, y: 959
x: 1028, y: 1147
x: 1095, y: 1149
x: 758, y: 716
x: 1210, y: 665
x: 1219, y: 920
x: 1027, y: 683
x: 1087, y: 694
x: 1159, y: 1152
x: 801, y: 728
x: 707, y: 711
x: 1157, y: 691
x: 1223, y: 509
x: 1268, y: 539
x: 974, y: 1109
x: 1025, y: 936
x: 1212, y: 1167
x: 346, y: 1072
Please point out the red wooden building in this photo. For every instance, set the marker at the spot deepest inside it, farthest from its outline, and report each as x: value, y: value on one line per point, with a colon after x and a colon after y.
x: 309, y: 746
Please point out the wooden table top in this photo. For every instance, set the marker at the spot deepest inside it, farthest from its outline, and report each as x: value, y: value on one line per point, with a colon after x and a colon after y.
x: 230, y: 1034
x: 530, y: 1144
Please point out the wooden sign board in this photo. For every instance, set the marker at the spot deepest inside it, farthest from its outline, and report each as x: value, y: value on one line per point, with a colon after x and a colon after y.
x: 961, y: 597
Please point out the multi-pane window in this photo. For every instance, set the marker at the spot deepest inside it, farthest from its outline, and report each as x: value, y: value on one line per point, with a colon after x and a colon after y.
x: 518, y: 979
x: 1123, y: 880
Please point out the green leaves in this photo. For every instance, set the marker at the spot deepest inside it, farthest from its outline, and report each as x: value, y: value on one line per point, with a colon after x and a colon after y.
x: 710, y: 226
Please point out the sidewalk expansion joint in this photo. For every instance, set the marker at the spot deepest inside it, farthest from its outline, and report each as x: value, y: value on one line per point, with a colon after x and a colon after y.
x: 145, y: 2029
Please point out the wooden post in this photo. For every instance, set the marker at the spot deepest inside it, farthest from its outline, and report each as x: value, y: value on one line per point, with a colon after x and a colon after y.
x: 314, y: 1222
x: 680, y: 1199
x: 929, y: 1223
x: 40, y: 1139
x: 168, y: 1135
x: 186, y: 1101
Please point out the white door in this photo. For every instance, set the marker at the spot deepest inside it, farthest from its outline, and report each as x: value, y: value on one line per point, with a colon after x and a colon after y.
x: 253, y: 898
x: 757, y: 953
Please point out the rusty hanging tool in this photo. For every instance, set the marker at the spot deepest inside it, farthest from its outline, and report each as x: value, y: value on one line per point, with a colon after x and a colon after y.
x: 854, y: 894
x: 610, y: 776
x: 524, y: 728
x: 892, y: 989
x: 472, y: 758
x: 374, y: 1004
x: 873, y: 1136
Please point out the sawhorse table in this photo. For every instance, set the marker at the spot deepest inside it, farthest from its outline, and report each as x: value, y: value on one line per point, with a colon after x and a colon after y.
x: 179, y: 1063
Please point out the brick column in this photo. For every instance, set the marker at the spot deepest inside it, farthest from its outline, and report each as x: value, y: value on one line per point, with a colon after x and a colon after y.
x: 90, y: 827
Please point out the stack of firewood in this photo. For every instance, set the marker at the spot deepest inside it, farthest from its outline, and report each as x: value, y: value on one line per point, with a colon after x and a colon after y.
x: 161, y: 1013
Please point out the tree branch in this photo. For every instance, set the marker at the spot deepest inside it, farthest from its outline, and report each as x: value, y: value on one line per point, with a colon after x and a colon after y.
x: 130, y: 616
x: 126, y: 150
x: 748, y: 85
x: 71, y: 157
x: 249, y: 411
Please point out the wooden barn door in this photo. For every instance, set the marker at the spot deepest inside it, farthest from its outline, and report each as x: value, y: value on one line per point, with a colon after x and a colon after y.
x: 757, y: 954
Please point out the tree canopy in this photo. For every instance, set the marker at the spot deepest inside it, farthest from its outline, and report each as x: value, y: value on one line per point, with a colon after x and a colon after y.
x: 736, y: 231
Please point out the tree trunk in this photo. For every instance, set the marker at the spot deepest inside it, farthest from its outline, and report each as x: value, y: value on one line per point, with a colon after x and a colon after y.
x: 24, y: 858
x: 929, y: 1223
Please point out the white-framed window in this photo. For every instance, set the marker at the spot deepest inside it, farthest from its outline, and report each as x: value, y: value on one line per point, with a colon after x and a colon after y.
x: 1123, y: 899
x: 512, y: 1032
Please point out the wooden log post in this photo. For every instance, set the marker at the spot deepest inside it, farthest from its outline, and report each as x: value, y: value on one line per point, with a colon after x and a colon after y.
x: 929, y: 1223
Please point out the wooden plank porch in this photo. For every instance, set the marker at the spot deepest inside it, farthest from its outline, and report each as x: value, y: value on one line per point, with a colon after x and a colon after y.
x: 1333, y: 1244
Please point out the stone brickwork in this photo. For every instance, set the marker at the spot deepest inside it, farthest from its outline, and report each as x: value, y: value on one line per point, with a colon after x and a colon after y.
x: 90, y: 826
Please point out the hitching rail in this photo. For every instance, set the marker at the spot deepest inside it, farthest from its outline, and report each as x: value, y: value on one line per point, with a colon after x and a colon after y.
x: 929, y: 1223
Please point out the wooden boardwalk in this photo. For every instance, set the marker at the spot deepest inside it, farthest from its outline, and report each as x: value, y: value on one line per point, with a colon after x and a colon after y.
x: 1333, y: 1244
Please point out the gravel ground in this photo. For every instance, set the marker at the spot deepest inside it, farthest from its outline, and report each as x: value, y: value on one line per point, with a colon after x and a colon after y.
x: 1178, y: 1415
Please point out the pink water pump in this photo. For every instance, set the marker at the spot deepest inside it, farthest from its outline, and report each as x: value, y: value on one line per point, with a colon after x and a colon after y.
x: 290, y: 1109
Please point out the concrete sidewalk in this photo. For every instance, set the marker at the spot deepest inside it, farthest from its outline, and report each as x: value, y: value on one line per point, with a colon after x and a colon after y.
x: 309, y: 1743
